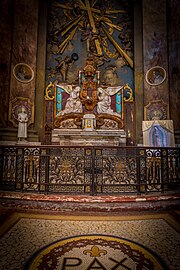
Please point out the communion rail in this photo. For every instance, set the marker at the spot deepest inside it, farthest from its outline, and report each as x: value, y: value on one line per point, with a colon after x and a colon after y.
x: 89, y: 170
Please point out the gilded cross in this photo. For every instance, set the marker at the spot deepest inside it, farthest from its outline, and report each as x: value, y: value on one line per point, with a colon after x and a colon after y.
x: 92, y: 14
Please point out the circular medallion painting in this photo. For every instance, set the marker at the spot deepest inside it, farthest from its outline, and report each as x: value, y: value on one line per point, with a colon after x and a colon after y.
x: 94, y: 252
x: 23, y: 73
x: 155, y: 75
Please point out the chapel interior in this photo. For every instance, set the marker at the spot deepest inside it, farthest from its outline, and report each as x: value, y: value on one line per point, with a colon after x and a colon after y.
x: 89, y: 134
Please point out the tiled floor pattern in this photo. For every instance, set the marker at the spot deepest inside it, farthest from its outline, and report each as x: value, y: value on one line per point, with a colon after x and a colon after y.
x: 23, y: 234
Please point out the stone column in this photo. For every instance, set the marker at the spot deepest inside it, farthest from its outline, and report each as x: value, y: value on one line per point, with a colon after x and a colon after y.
x: 138, y: 70
x: 41, y: 66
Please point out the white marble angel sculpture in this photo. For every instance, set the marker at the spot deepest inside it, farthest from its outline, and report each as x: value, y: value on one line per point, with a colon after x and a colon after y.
x: 104, y: 96
x: 73, y: 103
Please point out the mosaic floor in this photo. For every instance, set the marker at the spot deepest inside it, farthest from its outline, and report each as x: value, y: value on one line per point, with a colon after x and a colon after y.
x: 136, y: 241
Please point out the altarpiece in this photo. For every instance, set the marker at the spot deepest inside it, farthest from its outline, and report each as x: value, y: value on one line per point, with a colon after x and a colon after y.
x: 89, y: 95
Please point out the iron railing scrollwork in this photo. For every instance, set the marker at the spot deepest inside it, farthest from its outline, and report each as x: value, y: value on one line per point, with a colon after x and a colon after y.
x: 89, y: 170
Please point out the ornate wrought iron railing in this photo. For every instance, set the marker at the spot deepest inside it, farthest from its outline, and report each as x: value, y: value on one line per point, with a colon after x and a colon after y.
x: 89, y: 170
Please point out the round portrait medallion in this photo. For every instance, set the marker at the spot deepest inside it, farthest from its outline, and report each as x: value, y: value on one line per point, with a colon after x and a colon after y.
x: 155, y: 75
x: 23, y: 73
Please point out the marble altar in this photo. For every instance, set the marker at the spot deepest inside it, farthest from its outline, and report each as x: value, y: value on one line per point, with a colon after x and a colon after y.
x: 81, y: 137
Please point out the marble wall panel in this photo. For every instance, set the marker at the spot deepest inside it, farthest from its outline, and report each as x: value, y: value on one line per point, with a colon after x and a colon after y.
x: 174, y: 60
x: 6, y: 25
x: 155, y: 47
x: 24, y: 49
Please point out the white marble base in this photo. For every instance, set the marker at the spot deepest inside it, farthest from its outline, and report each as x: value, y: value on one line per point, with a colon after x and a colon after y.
x: 79, y: 137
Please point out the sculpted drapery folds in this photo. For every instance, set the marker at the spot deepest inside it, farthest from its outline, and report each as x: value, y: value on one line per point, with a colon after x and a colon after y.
x: 73, y: 104
x: 104, y: 97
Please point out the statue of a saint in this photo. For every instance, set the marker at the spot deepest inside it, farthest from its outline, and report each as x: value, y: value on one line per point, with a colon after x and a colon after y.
x: 22, y: 127
x: 73, y: 103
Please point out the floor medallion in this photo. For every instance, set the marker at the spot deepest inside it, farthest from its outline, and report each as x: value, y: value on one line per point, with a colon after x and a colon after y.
x: 94, y: 252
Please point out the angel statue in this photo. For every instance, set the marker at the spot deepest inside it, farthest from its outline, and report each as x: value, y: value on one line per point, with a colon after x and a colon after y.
x: 73, y: 103
x: 104, y: 96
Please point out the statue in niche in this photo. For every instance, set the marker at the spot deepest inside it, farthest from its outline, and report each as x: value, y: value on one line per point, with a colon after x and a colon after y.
x: 104, y: 97
x: 73, y: 103
x: 22, y: 126
x: 158, y: 133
